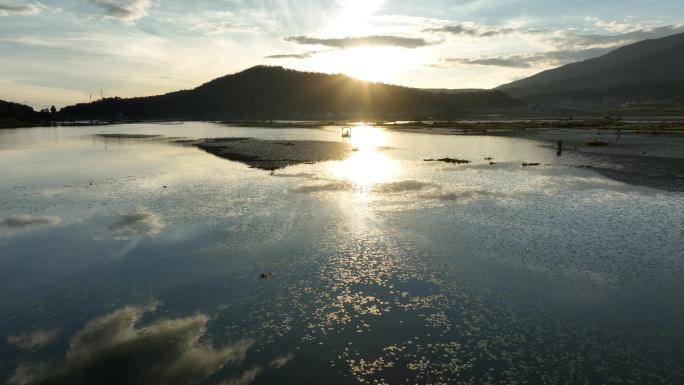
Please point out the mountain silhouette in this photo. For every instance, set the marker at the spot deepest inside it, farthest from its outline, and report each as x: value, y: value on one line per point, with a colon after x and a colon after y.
x: 645, y: 72
x: 19, y: 115
x: 10, y: 110
x: 264, y: 92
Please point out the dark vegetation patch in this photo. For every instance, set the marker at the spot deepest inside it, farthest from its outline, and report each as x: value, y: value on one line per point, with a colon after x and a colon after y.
x: 449, y: 160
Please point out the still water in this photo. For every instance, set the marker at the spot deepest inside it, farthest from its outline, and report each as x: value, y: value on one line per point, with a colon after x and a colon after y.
x: 140, y: 262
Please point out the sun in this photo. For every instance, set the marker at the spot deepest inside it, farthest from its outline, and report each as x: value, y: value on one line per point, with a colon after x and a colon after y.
x: 371, y: 63
x: 357, y: 18
x: 376, y: 64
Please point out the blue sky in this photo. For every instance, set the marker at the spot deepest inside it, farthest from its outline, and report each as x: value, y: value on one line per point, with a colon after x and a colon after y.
x: 60, y: 52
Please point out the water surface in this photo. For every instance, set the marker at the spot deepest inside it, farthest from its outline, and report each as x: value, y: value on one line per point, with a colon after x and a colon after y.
x: 139, y: 262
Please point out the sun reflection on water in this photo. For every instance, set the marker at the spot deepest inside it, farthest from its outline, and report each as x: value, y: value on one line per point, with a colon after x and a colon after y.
x: 367, y: 166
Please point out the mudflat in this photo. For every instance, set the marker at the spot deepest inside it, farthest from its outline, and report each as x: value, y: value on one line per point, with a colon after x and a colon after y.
x: 272, y: 154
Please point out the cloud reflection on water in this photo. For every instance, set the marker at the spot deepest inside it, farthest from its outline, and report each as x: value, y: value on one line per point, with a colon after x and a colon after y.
x: 281, y: 361
x: 136, y: 224
x: 244, y: 378
x: 34, y: 340
x: 24, y: 223
x: 115, y: 349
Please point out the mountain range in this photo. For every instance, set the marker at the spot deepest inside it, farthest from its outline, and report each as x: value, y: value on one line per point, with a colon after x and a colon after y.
x: 647, y: 72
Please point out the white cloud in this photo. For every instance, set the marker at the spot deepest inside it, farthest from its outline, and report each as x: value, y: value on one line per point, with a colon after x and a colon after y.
x: 550, y: 47
x: 221, y: 27
x: 303, y: 55
x: 470, y: 29
x: 11, y: 8
x: 127, y: 10
x: 362, y: 41
x: 528, y: 60
x: 583, y: 39
x: 614, y: 26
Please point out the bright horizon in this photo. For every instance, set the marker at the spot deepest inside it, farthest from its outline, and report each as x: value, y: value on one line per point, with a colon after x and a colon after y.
x: 61, y: 52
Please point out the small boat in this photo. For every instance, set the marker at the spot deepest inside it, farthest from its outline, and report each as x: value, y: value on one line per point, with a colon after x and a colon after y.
x: 346, y: 133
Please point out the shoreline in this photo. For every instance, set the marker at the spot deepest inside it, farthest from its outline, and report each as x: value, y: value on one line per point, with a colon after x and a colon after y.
x: 469, y: 123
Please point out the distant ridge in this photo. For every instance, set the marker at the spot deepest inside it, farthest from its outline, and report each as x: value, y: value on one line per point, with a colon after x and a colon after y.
x: 650, y: 71
x: 264, y: 92
x: 454, y: 90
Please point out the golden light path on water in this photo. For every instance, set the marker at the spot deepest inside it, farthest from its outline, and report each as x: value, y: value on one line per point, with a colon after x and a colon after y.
x: 367, y: 166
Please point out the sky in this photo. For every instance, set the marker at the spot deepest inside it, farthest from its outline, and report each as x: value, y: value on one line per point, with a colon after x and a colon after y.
x: 59, y: 53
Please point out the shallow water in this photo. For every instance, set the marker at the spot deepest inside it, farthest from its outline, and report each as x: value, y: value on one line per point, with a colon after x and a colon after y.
x: 139, y: 262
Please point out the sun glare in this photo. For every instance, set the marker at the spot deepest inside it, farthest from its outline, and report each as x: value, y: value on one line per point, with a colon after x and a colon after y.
x: 360, y: 8
x: 368, y: 139
x: 366, y: 169
x: 353, y: 16
x: 377, y: 64
x: 373, y: 64
x: 368, y: 165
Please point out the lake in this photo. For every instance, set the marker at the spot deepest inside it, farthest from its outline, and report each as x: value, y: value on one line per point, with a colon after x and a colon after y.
x: 141, y: 261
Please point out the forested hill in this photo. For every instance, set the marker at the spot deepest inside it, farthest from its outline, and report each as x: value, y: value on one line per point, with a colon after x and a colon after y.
x: 19, y: 115
x: 276, y: 93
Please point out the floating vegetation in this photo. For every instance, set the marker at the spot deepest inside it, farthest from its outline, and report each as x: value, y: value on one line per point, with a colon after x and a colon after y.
x: 596, y: 143
x: 128, y: 136
x: 672, y: 128
x: 482, y: 127
x: 275, y: 124
x: 449, y: 160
